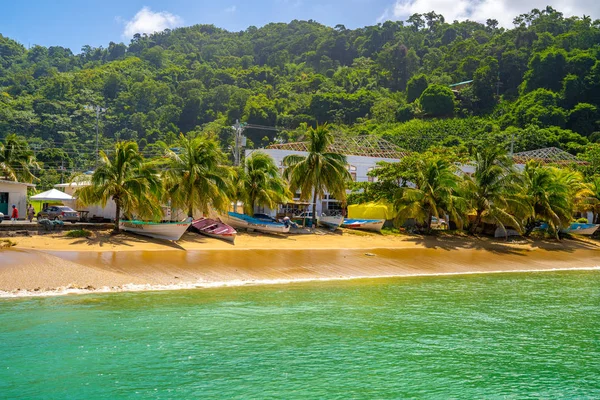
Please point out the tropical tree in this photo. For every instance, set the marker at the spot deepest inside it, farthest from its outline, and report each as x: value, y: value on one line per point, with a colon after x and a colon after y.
x: 319, y: 172
x: 552, y: 194
x: 591, y: 202
x: 196, y: 178
x: 17, y: 160
x: 493, y: 189
x: 133, y: 184
x: 436, y: 192
x: 259, y: 183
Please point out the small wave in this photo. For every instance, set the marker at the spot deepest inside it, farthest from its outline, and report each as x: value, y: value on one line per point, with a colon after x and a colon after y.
x: 69, y: 290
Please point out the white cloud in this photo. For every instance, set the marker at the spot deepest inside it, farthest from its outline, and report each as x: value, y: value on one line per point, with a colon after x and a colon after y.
x: 148, y: 21
x: 480, y: 10
x: 231, y: 9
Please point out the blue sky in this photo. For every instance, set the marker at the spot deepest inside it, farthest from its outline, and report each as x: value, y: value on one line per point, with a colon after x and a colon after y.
x: 74, y: 23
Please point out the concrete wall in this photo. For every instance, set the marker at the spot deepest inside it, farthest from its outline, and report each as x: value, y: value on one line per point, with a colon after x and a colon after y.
x: 17, y: 195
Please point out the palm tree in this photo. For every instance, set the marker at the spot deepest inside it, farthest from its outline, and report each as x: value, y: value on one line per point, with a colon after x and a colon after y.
x: 436, y: 193
x: 17, y: 160
x: 196, y: 179
x: 260, y: 183
x: 494, y: 189
x: 131, y: 183
x: 591, y: 202
x: 319, y: 172
x: 551, y: 194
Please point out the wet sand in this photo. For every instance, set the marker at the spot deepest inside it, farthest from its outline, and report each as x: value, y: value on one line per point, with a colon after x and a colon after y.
x: 57, y: 265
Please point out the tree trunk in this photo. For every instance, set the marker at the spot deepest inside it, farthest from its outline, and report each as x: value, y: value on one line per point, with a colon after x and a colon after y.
x: 117, y: 216
x: 314, y: 212
x: 529, y: 226
x: 429, y: 219
x: 476, y: 223
x: 191, y: 212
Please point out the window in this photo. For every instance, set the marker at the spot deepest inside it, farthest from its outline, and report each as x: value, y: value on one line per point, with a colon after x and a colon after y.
x: 370, y: 178
x: 352, y: 170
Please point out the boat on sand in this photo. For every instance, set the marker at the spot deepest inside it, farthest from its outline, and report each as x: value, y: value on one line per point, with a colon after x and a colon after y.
x: 330, y: 222
x: 215, y: 229
x: 158, y: 230
x: 243, y: 221
x: 373, y: 225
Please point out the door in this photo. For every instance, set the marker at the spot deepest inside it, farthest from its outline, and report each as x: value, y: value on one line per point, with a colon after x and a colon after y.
x: 4, y: 203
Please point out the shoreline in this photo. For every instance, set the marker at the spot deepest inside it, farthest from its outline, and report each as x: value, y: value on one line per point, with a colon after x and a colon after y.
x: 51, y: 266
x: 131, y: 288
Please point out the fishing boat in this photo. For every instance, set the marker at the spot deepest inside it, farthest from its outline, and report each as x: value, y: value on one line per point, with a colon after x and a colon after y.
x: 158, y: 230
x: 576, y: 228
x: 373, y: 225
x: 242, y: 221
x: 330, y: 222
x: 581, y: 229
x: 215, y: 229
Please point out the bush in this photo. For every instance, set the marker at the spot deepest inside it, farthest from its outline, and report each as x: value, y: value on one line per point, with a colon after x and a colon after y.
x: 79, y: 233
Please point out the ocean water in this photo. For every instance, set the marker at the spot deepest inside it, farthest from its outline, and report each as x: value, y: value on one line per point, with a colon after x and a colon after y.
x: 513, y: 335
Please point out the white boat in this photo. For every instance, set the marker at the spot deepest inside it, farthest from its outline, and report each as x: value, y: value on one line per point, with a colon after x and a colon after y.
x: 157, y: 230
x: 242, y: 221
x: 373, y: 225
x: 331, y: 222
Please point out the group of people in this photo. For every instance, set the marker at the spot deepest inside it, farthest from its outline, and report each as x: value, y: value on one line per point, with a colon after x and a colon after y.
x: 14, y: 216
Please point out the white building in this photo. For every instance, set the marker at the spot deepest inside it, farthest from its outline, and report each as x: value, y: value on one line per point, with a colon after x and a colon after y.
x: 13, y: 193
x: 363, y: 153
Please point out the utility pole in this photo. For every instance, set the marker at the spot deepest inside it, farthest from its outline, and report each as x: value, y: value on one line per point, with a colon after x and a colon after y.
x: 98, y: 110
x: 240, y: 141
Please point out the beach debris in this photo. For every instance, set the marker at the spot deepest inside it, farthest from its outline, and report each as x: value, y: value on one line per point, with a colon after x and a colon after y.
x: 369, y: 254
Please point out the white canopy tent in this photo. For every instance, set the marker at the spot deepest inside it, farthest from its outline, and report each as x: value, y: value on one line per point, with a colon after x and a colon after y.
x: 52, y: 195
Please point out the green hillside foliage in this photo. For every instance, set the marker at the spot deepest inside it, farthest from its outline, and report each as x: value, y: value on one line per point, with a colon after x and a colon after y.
x: 537, y: 83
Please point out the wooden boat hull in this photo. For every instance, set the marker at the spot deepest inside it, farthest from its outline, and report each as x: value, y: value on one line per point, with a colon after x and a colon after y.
x: 215, y: 229
x: 165, y: 231
x: 372, y: 225
x: 241, y: 221
x: 331, y: 222
x: 582, y: 229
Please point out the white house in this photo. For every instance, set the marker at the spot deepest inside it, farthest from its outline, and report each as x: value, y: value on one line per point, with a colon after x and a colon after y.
x: 363, y: 153
x: 94, y: 210
x: 13, y: 193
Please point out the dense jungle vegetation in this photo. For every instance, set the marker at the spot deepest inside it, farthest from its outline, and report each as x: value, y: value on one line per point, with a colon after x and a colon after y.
x: 537, y: 85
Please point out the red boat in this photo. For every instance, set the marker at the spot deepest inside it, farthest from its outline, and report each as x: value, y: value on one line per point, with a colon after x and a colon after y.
x: 215, y: 228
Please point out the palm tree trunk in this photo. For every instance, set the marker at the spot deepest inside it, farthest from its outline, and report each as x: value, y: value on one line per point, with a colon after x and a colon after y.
x: 191, y: 211
x: 477, y: 222
x: 314, y: 212
x: 429, y: 219
x: 117, y: 216
x: 529, y: 226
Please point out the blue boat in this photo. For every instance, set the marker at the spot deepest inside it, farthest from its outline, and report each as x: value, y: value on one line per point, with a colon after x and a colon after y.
x: 243, y: 221
x: 576, y: 228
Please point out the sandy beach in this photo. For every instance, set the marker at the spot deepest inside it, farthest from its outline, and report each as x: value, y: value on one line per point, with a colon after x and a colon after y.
x: 54, y: 264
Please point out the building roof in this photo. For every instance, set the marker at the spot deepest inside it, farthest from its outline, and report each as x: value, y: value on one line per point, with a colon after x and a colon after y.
x: 548, y: 155
x: 17, y: 183
x: 364, y: 145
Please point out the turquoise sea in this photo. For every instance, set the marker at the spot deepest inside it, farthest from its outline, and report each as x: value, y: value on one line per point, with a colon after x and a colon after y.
x: 506, y: 336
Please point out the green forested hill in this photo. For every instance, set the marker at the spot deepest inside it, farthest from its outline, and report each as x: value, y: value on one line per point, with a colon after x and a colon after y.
x: 538, y: 83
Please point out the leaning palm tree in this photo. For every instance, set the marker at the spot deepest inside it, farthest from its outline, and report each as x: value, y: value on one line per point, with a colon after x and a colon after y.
x: 259, y: 183
x: 436, y: 192
x: 134, y: 185
x: 196, y: 178
x: 17, y: 160
x: 591, y: 202
x: 318, y: 172
x: 551, y: 194
x: 493, y: 190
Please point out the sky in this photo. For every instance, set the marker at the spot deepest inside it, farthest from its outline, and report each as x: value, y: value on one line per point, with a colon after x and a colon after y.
x: 74, y: 23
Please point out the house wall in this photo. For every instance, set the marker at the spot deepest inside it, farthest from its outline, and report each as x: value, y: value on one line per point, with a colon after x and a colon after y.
x: 359, y: 168
x: 17, y: 195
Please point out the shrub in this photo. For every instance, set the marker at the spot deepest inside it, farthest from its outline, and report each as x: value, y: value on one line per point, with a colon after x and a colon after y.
x: 79, y: 233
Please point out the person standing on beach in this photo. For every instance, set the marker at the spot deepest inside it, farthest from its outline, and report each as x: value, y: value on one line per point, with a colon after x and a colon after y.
x: 15, y: 214
x: 30, y: 213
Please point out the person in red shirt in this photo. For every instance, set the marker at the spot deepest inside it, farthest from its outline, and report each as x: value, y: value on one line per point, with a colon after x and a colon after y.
x: 15, y: 214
